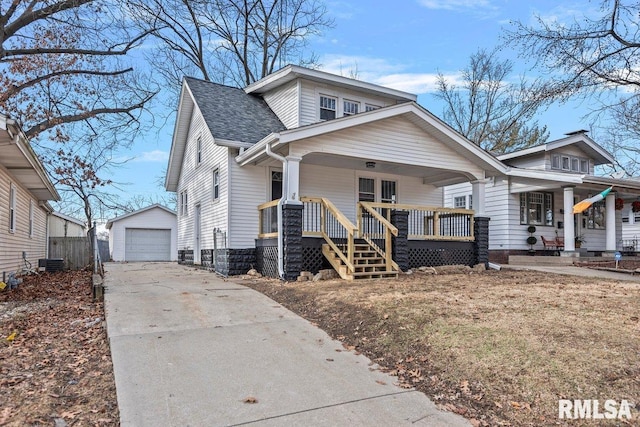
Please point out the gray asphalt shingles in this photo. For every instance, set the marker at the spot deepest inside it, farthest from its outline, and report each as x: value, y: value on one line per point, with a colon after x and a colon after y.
x: 232, y: 114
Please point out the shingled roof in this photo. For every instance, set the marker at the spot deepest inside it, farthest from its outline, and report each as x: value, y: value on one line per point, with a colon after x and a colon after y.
x: 232, y: 114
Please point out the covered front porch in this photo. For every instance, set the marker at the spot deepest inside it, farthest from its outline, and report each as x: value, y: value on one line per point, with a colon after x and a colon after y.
x: 548, y: 207
x: 386, y: 238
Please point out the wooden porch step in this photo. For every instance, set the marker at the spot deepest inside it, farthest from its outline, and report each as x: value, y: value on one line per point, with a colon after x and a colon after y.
x: 375, y: 275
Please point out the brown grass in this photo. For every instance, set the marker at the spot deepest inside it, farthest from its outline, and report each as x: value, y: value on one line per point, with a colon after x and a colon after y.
x: 497, y: 347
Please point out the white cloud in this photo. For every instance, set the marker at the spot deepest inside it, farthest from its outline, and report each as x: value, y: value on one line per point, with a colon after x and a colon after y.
x: 381, y: 72
x: 457, y: 5
x: 152, y: 156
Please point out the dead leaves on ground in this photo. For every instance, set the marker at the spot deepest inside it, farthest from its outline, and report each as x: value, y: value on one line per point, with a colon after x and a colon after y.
x: 57, y: 367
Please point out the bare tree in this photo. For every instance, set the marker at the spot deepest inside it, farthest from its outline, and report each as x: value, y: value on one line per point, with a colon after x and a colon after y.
x: 59, y: 64
x: 597, y: 58
x: 490, y: 111
x: 66, y: 76
x: 229, y: 41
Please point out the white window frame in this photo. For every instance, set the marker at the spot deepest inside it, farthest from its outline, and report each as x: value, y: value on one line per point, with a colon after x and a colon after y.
x: 12, y: 208
x: 460, y: 202
x: 370, y: 107
x: 216, y: 184
x: 358, y: 187
x: 350, y: 107
x: 184, y: 203
x: 31, y: 218
x: 199, y: 150
x: 584, y: 162
x: 324, y: 106
x: 562, y: 160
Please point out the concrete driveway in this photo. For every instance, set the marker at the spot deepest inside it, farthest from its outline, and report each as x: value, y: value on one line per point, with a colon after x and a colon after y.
x: 192, y: 349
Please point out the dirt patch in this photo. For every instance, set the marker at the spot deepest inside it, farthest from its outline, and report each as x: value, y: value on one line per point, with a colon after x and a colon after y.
x: 55, y: 363
x: 500, y: 348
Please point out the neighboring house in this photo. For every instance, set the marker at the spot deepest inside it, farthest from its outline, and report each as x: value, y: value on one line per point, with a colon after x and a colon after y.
x: 540, y: 187
x: 338, y: 154
x: 61, y: 225
x: 25, y: 190
x: 148, y: 234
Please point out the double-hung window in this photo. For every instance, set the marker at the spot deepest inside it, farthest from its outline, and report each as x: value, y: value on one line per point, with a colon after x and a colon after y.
x: 216, y: 184
x: 327, y: 107
x: 460, y: 202
x: 31, y: 218
x: 350, y: 108
x: 536, y: 208
x: 183, y: 203
x: 366, y: 190
x: 12, y: 209
x: 198, y: 150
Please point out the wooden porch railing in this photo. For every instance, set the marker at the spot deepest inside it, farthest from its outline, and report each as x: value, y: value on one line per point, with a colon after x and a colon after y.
x: 432, y: 223
x: 333, y: 226
x: 376, y: 230
x: 268, y: 220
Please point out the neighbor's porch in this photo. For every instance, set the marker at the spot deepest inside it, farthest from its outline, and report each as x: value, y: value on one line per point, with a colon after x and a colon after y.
x: 384, y: 239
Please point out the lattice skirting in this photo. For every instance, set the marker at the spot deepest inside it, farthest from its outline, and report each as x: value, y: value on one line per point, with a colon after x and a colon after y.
x: 433, y: 254
x: 267, y: 260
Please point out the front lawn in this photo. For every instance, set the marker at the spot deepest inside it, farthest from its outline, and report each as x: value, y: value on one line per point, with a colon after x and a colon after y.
x: 500, y: 348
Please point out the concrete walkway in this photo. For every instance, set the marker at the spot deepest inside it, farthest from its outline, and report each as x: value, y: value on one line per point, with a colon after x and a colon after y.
x: 576, y: 271
x: 190, y: 349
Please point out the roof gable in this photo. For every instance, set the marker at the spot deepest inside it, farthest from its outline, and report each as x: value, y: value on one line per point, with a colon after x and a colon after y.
x: 231, y: 115
x: 578, y: 139
x: 292, y: 72
x: 139, y: 211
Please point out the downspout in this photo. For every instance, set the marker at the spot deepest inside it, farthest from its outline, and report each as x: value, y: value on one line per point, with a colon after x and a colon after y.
x: 285, y: 192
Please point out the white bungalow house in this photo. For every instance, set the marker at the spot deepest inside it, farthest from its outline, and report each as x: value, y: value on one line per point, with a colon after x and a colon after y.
x: 539, y: 189
x: 25, y: 192
x: 305, y: 168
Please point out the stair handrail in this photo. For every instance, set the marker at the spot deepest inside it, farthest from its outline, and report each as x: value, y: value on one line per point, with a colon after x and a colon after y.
x: 389, y: 229
x: 350, y: 228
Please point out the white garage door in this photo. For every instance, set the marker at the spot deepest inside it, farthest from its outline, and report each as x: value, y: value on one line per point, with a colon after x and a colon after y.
x: 145, y: 244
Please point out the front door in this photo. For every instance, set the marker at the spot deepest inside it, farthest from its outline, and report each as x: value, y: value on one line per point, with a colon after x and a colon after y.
x: 196, y: 235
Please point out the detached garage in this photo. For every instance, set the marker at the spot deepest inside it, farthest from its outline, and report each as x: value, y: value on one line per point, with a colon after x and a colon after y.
x: 147, y: 234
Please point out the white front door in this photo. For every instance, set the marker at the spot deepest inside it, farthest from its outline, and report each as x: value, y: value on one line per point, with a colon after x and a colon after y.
x: 196, y: 236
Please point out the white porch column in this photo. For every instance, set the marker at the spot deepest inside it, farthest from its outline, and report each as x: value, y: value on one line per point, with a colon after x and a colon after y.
x: 292, y: 176
x: 569, y: 230
x: 610, y: 222
x: 477, y: 194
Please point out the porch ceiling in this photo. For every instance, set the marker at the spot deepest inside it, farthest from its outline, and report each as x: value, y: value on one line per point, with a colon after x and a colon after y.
x: 435, y: 176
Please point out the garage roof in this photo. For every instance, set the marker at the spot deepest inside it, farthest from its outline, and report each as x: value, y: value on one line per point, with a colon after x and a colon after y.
x: 148, y: 208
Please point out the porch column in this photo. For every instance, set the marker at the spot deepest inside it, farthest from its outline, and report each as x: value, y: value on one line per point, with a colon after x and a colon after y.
x: 569, y: 229
x: 293, y: 178
x: 610, y: 222
x: 292, y: 239
x: 400, y: 219
x: 477, y: 194
x: 481, y: 242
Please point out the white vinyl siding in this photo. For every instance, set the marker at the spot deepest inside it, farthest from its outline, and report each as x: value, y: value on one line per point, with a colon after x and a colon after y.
x: 197, y: 182
x: 13, y: 244
x: 251, y: 187
x: 310, y: 96
x: 285, y: 104
x: 411, y: 146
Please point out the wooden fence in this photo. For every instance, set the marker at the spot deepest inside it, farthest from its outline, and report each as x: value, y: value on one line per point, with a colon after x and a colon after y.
x: 76, y: 251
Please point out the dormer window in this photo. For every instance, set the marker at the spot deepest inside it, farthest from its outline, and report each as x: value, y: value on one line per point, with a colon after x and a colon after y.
x: 569, y: 163
x: 370, y: 107
x: 327, y: 107
x: 350, y: 108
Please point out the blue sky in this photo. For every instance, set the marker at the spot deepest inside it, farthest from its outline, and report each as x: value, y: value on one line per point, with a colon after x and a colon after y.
x: 401, y: 44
